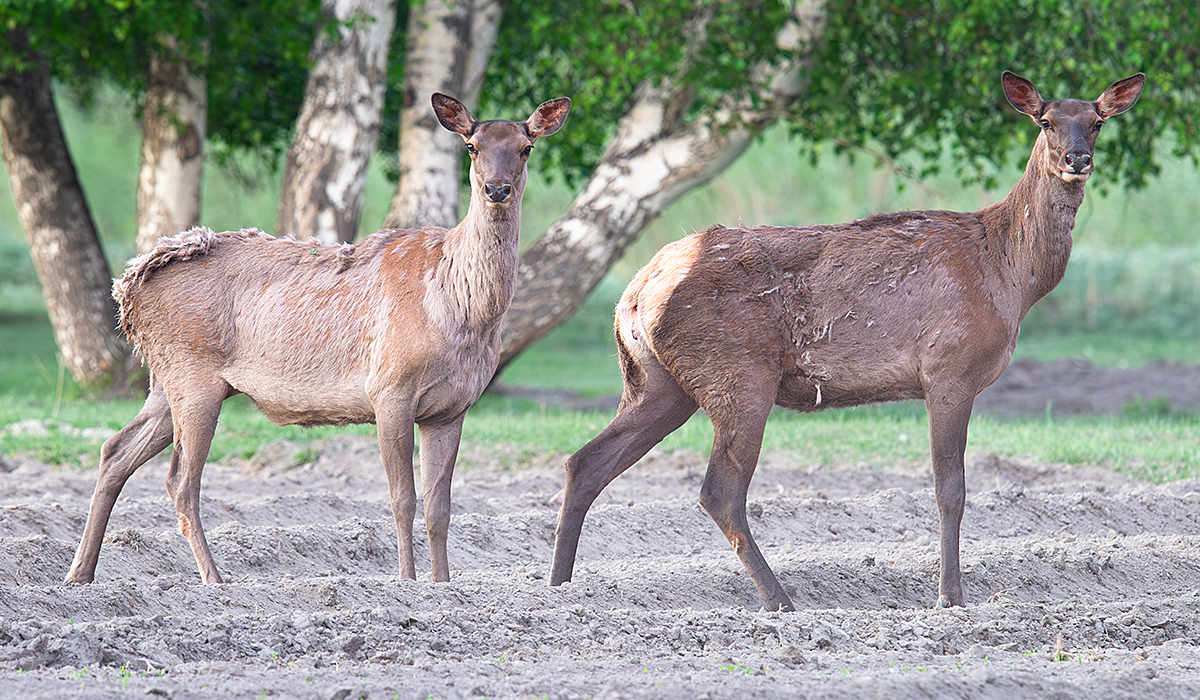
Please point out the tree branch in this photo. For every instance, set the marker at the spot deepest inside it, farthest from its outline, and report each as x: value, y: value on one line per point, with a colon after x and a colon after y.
x: 652, y: 160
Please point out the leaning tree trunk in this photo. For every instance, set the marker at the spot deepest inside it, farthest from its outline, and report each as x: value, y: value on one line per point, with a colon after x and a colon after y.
x: 62, y: 238
x: 653, y: 159
x: 449, y: 43
x: 339, y: 121
x: 173, y: 130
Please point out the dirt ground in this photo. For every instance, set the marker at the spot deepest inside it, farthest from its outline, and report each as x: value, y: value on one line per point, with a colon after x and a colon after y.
x: 1079, y: 583
x: 1076, y: 386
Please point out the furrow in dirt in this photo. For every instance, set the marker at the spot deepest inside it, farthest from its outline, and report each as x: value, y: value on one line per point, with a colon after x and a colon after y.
x: 1078, y: 582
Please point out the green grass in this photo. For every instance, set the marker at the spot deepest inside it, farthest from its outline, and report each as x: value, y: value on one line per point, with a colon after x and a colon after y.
x: 1145, y: 443
x: 1107, y: 349
x: 1152, y: 447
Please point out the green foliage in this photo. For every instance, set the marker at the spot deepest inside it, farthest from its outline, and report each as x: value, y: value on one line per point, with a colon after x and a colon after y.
x: 920, y: 77
x: 599, y: 51
x: 257, y: 67
x: 254, y: 54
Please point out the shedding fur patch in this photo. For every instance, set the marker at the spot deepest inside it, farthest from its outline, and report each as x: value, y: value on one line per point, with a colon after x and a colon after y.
x: 190, y: 244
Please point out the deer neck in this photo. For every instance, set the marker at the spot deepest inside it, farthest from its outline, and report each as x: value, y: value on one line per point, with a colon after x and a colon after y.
x: 1034, y: 223
x: 475, y: 279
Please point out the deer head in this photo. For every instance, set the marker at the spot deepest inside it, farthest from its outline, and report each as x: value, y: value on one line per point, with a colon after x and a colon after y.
x: 499, y: 149
x: 1070, y: 127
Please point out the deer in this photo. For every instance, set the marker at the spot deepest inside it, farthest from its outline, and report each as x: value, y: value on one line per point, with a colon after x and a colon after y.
x: 912, y: 305
x: 401, y: 329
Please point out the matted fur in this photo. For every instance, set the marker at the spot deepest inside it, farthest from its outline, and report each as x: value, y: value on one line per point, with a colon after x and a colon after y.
x: 187, y: 245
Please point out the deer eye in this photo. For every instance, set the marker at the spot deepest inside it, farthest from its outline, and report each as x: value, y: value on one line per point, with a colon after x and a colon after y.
x: 471, y: 149
x: 526, y: 151
x: 1097, y: 126
x: 1045, y: 124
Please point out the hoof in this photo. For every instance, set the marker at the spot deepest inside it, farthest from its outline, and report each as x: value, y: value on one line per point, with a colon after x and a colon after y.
x: 784, y: 605
x: 73, y: 578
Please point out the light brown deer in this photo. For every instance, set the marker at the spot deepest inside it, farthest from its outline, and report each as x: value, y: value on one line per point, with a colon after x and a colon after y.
x: 922, y: 304
x: 400, y: 329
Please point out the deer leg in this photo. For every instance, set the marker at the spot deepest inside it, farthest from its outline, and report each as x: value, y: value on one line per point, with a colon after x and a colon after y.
x: 641, y: 423
x: 195, y: 418
x: 439, y: 448
x: 146, y: 435
x: 396, y: 449
x: 948, y: 441
x: 737, y: 440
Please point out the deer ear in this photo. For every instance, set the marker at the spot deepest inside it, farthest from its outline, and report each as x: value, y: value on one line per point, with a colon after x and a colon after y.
x: 1121, y: 95
x: 548, y: 117
x: 453, y: 115
x: 1022, y: 94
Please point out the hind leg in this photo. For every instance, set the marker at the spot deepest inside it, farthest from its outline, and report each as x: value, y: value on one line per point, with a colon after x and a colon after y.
x: 145, y: 436
x: 647, y: 415
x: 738, y: 423
x: 195, y: 417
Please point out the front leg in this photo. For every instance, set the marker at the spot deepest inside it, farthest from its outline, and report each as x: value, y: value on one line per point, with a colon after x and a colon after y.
x: 395, y: 423
x: 439, y: 449
x: 948, y: 441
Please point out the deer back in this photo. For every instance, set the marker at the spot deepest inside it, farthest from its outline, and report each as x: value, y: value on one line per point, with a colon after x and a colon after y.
x: 298, y: 327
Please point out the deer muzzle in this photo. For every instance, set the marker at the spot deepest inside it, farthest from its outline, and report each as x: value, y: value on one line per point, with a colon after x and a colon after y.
x: 1076, y: 166
x: 497, y: 194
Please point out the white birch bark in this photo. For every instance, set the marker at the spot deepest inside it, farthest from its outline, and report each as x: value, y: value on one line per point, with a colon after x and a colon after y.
x: 173, y: 130
x: 338, y: 126
x: 449, y: 43
x: 652, y: 160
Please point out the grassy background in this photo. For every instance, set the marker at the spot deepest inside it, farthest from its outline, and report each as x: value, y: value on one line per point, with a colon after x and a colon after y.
x: 1130, y: 296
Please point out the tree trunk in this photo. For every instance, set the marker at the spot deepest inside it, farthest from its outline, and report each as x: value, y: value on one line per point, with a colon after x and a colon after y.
x: 62, y: 237
x: 173, y: 130
x: 652, y: 160
x: 449, y: 42
x: 338, y: 126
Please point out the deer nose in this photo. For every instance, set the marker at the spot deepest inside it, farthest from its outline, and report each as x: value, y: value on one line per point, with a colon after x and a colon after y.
x: 1079, y: 162
x: 498, y: 193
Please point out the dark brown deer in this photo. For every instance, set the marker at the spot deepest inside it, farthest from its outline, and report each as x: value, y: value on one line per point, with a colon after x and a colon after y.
x: 401, y: 329
x: 922, y: 304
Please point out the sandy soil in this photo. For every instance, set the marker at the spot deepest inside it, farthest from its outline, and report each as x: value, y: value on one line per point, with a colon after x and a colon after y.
x: 1079, y: 583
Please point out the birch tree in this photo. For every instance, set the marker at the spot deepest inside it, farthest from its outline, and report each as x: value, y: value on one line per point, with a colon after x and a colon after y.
x: 174, y: 120
x: 62, y: 237
x: 338, y: 127
x: 449, y: 44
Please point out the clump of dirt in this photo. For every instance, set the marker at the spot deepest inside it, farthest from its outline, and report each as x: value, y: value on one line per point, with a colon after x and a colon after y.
x: 1078, y: 581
